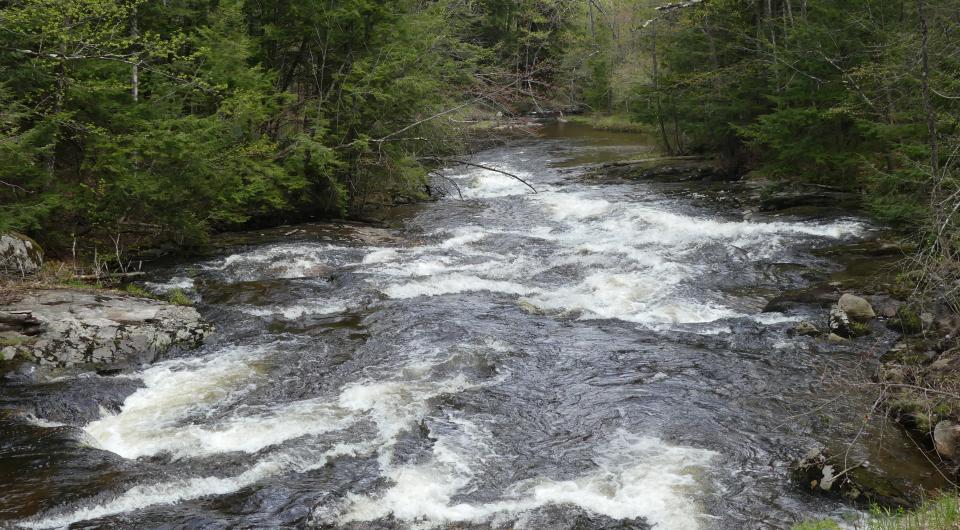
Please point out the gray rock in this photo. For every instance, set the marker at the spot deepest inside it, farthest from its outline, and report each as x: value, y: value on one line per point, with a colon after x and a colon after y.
x: 833, y: 337
x: 856, y: 308
x: 19, y: 254
x: 63, y: 327
x: 805, y: 328
x: 840, y: 322
x: 945, y: 438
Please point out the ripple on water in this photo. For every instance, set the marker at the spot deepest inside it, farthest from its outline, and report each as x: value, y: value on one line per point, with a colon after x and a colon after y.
x: 570, y: 357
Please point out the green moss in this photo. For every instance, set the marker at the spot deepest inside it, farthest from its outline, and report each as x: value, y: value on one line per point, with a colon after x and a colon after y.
x: 911, y: 411
x: 177, y: 297
x: 16, y: 340
x: 907, y: 321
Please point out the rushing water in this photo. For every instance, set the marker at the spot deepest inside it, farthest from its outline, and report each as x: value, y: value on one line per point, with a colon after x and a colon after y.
x: 589, y: 356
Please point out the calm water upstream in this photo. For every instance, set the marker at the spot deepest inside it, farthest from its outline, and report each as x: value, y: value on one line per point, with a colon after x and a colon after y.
x: 590, y: 356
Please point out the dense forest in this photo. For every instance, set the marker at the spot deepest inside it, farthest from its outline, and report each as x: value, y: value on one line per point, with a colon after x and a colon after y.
x: 161, y: 122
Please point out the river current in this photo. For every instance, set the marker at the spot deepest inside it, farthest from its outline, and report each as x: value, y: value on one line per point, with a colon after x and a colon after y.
x: 587, y: 356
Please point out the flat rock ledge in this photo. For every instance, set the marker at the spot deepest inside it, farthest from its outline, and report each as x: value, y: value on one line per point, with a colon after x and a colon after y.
x: 68, y: 327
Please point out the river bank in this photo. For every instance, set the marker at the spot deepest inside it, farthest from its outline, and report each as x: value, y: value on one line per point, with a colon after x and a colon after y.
x: 618, y: 325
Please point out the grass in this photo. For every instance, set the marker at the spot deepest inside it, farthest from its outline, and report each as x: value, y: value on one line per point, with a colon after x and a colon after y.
x: 136, y: 290
x: 177, y: 297
x: 939, y: 514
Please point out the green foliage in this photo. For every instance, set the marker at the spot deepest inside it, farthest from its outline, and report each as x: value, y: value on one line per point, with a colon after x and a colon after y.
x: 159, y: 123
x: 828, y: 93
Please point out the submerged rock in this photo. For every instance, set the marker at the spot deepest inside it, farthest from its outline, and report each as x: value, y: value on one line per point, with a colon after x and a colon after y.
x: 63, y: 327
x: 19, y: 254
x: 858, y: 482
x: 856, y: 308
x: 833, y: 337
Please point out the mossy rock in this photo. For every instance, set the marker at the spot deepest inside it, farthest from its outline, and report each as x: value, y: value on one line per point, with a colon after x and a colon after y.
x: 914, y: 412
x: 906, y: 321
x: 909, y: 354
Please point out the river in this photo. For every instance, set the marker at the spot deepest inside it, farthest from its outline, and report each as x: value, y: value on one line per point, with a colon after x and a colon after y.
x: 593, y: 355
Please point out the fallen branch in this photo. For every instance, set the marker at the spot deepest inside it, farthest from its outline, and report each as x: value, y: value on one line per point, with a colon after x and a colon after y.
x: 481, y: 166
x: 15, y: 186
x: 671, y: 7
x: 450, y: 180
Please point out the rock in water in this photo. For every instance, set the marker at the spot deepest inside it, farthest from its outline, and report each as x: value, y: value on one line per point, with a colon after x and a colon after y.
x: 833, y: 337
x: 856, y: 308
x: 63, y: 327
x: 805, y: 328
x: 840, y: 322
x: 945, y: 438
x: 19, y: 254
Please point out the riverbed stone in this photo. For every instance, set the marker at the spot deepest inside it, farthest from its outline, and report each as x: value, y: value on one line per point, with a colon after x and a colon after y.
x: 19, y: 254
x: 805, y: 328
x: 946, y: 434
x: 68, y: 327
x: 833, y: 337
x: 856, y: 308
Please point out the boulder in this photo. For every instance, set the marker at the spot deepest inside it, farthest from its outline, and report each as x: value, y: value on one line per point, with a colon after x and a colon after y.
x: 833, y: 337
x: 856, y: 308
x: 19, y: 254
x: 65, y: 327
x: 805, y: 328
x: 945, y: 437
x: 840, y: 322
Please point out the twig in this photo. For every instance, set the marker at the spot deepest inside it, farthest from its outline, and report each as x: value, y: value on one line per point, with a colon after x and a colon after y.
x: 450, y: 180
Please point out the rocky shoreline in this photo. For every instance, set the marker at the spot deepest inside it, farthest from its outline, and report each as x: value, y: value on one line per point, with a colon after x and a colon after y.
x: 917, y: 366
x: 94, y: 328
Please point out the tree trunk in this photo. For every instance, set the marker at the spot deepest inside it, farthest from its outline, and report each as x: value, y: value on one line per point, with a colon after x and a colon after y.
x: 656, y: 89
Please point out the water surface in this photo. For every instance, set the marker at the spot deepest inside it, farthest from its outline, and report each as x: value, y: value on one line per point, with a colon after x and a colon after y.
x: 588, y: 356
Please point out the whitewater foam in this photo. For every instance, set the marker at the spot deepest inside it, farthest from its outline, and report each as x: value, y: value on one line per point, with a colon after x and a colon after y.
x: 635, y: 476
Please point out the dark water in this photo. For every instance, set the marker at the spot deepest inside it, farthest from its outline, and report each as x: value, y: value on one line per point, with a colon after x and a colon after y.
x: 590, y: 356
